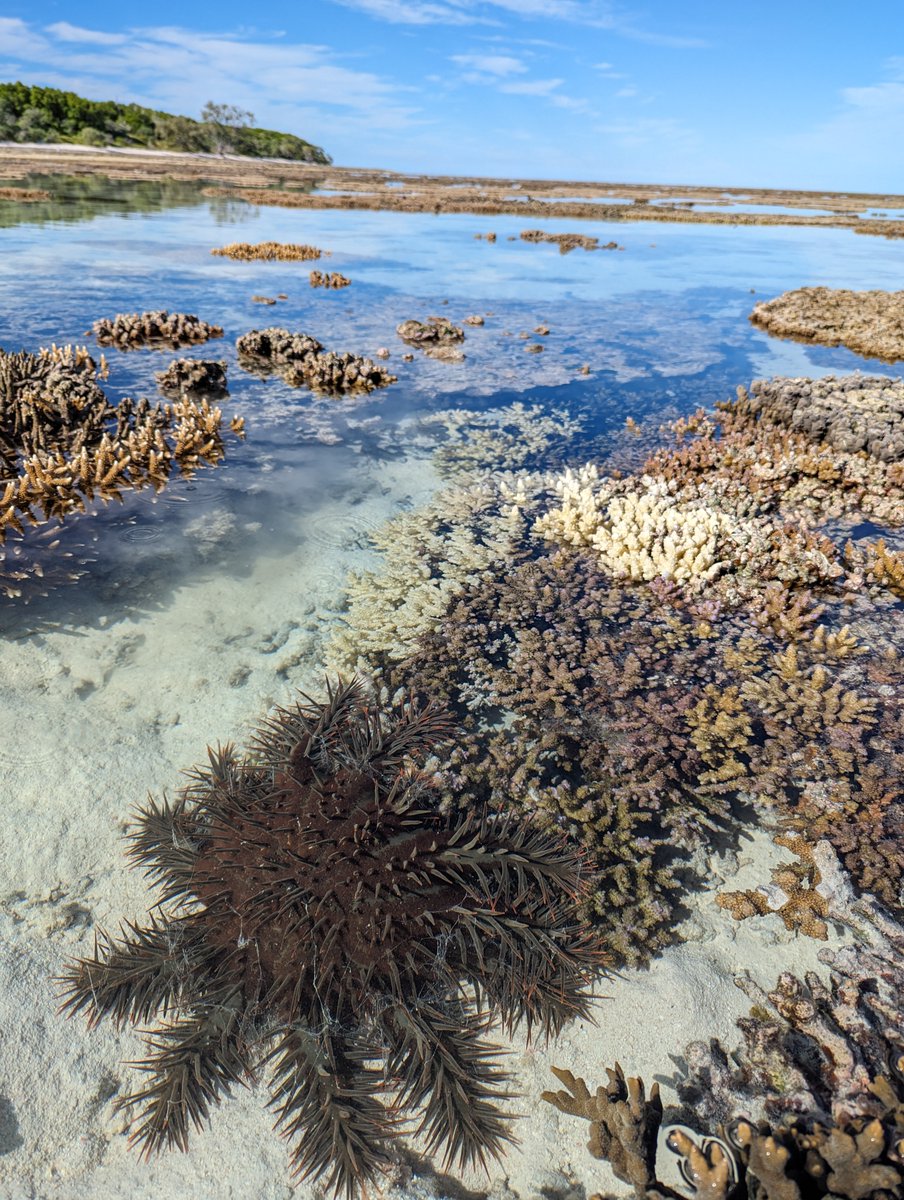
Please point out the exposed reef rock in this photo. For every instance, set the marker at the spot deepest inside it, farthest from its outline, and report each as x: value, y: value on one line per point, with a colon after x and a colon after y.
x: 192, y: 376
x: 436, y: 336
x: 268, y: 252
x: 823, y: 1061
x: 851, y: 412
x: 301, y: 362
x: 869, y: 323
x: 24, y: 195
x: 130, y: 330
x: 63, y: 445
x: 565, y: 241
x: 317, y: 913
x: 329, y: 279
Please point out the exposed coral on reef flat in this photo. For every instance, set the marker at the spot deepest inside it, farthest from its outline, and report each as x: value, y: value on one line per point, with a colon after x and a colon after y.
x: 329, y: 279
x: 436, y: 336
x: 301, y: 362
x: 268, y: 252
x: 192, y: 376
x: 645, y: 711
x: 869, y: 323
x: 565, y: 241
x: 127, y: 331
x: 63, y: 445
x: 851, y: 413
x: 318, y: 915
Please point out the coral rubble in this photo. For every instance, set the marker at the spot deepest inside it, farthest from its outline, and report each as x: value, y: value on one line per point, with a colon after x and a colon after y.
x: 127, y: 331
x: 193, y: 376
x: 869, y: 323
x: 329, y: 279
x: 268, y: 252
x: 317, y: 913
x: 302, y: 362
x: 565, y: 241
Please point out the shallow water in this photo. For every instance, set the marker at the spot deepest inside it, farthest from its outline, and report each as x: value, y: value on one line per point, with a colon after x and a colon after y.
x: 198, y: 608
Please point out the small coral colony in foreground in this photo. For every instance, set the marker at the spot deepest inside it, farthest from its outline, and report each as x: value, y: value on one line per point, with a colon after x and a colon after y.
x: 318, y: 915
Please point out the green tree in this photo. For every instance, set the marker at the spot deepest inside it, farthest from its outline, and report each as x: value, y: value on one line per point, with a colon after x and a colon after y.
x: 225, y: 121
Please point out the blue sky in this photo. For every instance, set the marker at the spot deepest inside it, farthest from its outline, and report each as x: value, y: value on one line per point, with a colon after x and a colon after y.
x: 765, y: 93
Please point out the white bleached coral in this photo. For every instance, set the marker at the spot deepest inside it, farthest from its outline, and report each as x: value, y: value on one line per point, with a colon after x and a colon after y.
x: 643, y: 533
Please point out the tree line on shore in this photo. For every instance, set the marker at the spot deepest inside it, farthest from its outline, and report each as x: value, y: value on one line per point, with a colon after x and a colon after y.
x: 43, y: 114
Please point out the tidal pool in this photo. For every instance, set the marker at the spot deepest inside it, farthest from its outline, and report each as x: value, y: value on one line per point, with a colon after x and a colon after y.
x: 195, y: 610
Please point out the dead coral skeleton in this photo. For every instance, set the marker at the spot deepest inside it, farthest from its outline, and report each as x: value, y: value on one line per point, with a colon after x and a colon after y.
x: 824, y: 1060
x: 436, y: 336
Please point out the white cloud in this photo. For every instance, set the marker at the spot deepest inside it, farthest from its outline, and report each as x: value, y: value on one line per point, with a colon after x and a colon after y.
x: 531, y: 87
x: 75, y: 33
x: 598, y: 14
x: 625, y: 92
x: 300, y: 87
x: 490, y: 64
x: 859, y: 140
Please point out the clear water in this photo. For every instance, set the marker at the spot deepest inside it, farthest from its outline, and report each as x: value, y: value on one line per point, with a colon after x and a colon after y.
x: 198, y: 608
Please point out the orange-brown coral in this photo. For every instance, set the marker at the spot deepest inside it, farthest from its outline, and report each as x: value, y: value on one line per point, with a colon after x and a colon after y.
x: 329, y: 279
x: 302, y: 362
x: 268, y: 252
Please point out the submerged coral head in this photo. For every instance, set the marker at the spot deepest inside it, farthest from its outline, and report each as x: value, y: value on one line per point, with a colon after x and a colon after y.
x: 321, y: 917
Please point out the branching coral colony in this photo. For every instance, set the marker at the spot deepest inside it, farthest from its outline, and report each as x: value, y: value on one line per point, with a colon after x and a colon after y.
x: 812, y: 1105
x: 300, y: 360
x: 638, y: 660
x: 63, y: 445
x: 317, y: 914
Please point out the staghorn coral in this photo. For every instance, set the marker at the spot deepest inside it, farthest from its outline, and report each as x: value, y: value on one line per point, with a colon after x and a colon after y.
x: 127, y: 331
x: 879, y: 564
x: 517, y: 437
x: 317, y: 913
x: 763, y: 467
x: 63, y: 445
x: 869, y: 323
x: 192, y: 376
x: 329, y: 279
x: 645, y: 717
x: 268, y: 251
x: 300, y: 360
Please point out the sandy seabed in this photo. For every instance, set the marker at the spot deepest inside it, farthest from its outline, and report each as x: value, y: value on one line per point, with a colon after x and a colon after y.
x: 112, y: 710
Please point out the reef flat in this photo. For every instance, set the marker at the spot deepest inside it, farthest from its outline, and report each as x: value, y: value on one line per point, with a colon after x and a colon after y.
x: 660, y: 612
x: 314, y: 186
x: 870, y: 323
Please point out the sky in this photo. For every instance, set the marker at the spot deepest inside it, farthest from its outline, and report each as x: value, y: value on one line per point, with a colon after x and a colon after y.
x: 743, y: 93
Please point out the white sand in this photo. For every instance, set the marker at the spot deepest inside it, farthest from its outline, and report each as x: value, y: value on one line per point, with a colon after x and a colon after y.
x: 98, y: 716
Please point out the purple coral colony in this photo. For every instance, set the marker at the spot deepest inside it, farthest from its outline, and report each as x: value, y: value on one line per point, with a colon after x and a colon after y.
x: 609, y: 661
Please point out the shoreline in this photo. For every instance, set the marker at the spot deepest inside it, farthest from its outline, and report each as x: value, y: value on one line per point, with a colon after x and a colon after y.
x: 276, y: 181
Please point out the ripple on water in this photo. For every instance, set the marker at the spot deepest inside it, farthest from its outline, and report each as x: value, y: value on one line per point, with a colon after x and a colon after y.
x: 341, y: 531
